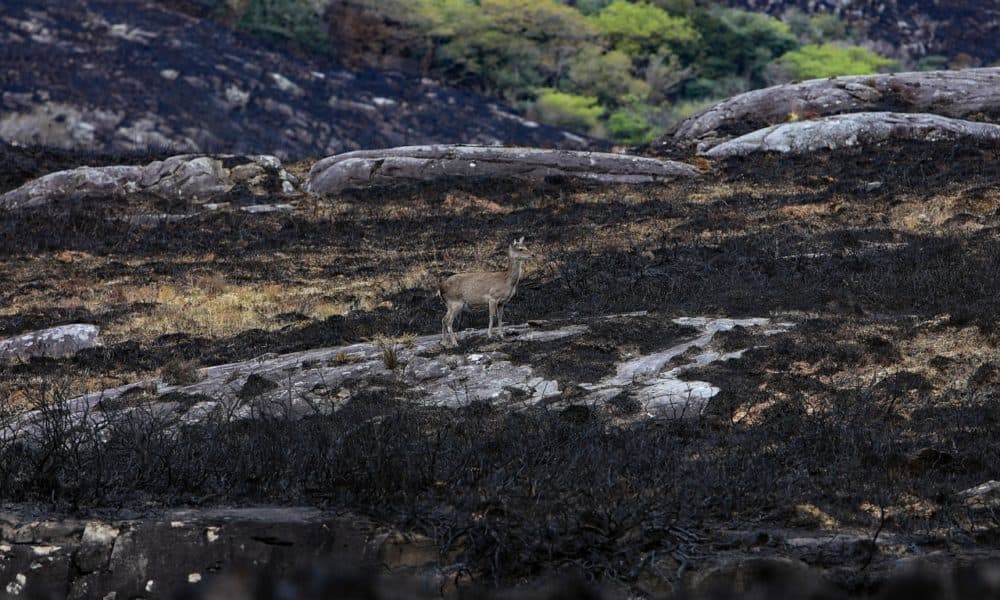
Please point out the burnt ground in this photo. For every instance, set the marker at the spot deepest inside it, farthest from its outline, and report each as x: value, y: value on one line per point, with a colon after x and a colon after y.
x: 121, y: 76
x: 867, y: 416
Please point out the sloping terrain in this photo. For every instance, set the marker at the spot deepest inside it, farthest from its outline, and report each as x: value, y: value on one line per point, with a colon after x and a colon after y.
x: 843, y: 438
x: 102, y: 75
x: 910, y: 29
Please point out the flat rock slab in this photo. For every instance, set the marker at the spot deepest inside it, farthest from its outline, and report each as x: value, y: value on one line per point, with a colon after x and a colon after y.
x: 170, y: 553
x: 409, y: 164
x: 300, y: 383
x: 855, y: 129
x: 323, y: 380
x: 664, y: 393
x: 955, y: 94
x: 64, y: 340
x: 190, y: 176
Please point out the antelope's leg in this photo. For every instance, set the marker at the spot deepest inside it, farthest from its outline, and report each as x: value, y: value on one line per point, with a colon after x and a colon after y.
x: 493, y: 312
x: 448, y: 321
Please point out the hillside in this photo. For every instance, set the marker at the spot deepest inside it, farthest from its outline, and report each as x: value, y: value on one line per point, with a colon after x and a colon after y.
x: 767, y: 369
x: 103, y: 75
x: 781, y: 374
x: 910, y: 29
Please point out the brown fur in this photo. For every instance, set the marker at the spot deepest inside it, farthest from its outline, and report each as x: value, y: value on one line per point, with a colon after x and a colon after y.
x: 477, y: 289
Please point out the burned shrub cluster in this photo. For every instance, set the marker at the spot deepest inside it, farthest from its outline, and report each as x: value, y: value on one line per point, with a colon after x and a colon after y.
x: 515, y: 494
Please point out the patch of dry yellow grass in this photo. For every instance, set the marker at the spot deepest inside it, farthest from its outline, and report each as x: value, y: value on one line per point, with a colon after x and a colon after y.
x: 212, y: 307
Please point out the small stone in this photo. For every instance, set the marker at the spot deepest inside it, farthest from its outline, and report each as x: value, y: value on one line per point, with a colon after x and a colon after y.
x: 14, y: 587
x: 64, y: 340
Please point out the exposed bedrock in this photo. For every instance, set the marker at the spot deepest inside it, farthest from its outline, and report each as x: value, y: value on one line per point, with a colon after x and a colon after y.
x: 191, y: 176
x: 957, y: 94
x: 506, y: 375
x: 410, y: 164
x: 855, y: 129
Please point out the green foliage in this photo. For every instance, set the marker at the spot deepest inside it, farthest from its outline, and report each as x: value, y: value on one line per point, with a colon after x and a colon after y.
x: 677, y: 7
x: 629, y: 126
x: 606, y: 75
x: 640, y: 29
x: 567, y: 110
x: 627, y: 68
x: 509, y: 46
x: 741, y: 43
x: 296, y: 22
x: 932, y: 62
x: 815, y: 61
x: 591, y: 7
x: 815, y: 29
x: 701, y: 88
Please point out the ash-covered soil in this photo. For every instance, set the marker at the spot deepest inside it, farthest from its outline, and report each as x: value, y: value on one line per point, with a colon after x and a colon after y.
x: 866, y: 417
x: 126, y: 76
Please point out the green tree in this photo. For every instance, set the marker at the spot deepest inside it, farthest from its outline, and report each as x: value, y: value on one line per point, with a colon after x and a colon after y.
x: 740, y: 43
x: 606, y: 75
x: 815, y: 61
x: 296, y: 22
x: 816, y: 29
x: 508, y: 47
x: 567, y: 110
x: 641, y: 29
x: 591, y: 7
x: 677, y: 7
x: 630, y: 126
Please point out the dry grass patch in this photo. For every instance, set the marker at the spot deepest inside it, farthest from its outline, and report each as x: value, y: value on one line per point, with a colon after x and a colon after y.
x: 208, y: 305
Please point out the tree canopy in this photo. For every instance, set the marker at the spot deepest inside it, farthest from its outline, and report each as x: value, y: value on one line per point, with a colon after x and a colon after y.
x: 627, y: 69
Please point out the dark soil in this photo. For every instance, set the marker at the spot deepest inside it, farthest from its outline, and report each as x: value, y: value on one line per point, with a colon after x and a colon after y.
x: 84, y: 65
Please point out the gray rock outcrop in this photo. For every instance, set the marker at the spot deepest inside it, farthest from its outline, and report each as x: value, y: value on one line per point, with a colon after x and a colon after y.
x: 853, y: 129
x: 409, y: 164
x: 64, y: 340
x: 957, y: 94
x: 191, y: 176
x: 323, y: 380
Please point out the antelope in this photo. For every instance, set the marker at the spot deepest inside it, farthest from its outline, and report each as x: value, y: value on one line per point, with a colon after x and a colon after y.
x: 479, y: 289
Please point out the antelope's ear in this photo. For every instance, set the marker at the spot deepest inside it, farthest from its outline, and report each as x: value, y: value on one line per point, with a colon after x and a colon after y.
x: 521, y: 241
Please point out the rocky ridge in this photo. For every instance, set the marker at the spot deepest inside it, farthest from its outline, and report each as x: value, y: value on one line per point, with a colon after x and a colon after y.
x: 969, y: 94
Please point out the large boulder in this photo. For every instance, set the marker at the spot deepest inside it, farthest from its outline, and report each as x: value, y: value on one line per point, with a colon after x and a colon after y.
x: 855, y: 129
x: 958, y: 94
x: 411, y: 164
x: 191, y: 176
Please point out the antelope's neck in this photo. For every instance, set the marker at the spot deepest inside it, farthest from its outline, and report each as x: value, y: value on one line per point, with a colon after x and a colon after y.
x: 514, y: 272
